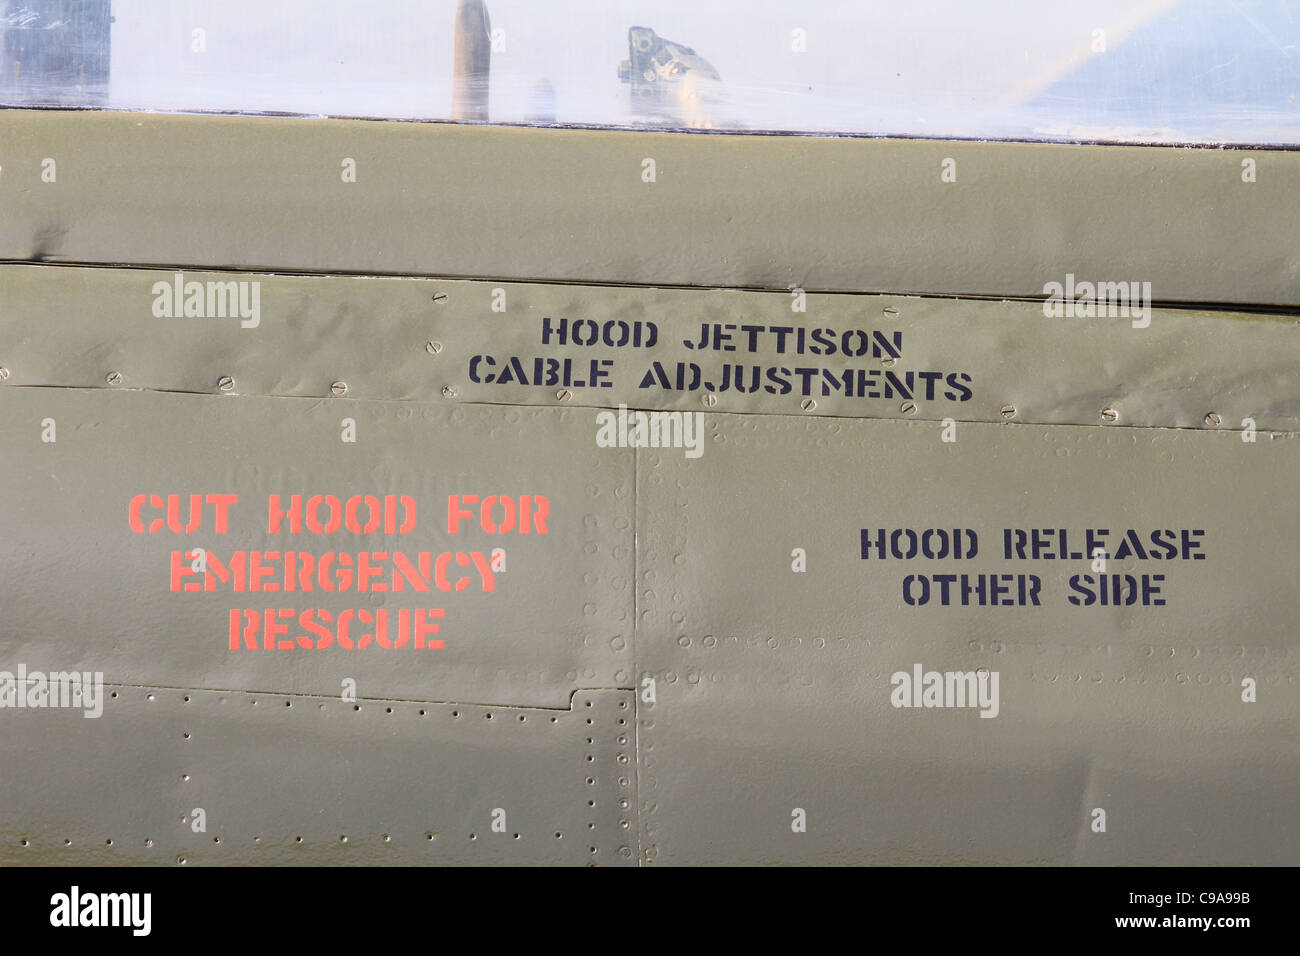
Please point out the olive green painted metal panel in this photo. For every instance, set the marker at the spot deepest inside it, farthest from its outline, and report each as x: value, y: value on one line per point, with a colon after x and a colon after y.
x: 85, y: 591
x: 449, y: 342
x: 295, y: 780
x: 714, y: 608
x: 822, y: 213
x: 773, y: 687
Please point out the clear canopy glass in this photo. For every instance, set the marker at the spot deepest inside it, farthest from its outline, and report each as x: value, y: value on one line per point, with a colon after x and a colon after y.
x: 1164, y: 71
